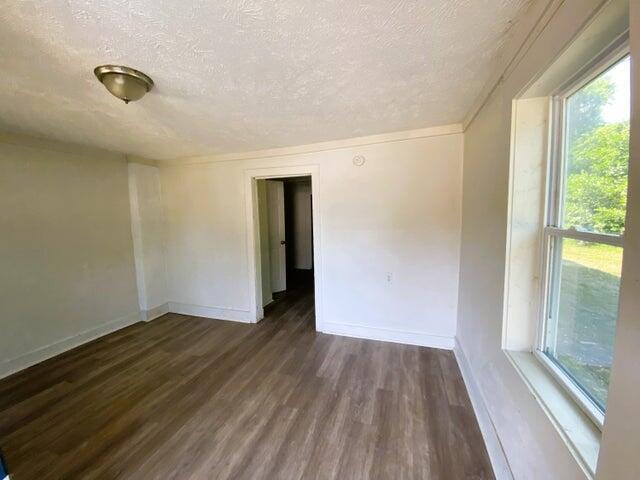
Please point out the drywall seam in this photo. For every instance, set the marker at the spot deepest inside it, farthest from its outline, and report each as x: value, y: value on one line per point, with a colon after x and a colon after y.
x: 499, y: 462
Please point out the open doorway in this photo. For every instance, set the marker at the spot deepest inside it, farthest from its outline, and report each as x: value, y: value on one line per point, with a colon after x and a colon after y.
x: 300, y: 272
x: 285, y: 220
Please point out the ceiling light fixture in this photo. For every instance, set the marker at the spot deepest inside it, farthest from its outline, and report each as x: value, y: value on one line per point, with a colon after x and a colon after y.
x: 125, y: 83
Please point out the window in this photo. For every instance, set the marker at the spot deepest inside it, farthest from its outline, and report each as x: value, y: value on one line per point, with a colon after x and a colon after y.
x: 583, y: 236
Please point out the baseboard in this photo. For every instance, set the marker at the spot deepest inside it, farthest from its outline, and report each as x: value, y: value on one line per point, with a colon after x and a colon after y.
x: 268, y: 303
x: 389, y: 335
x: 29, y: 359
x: 499, y: 462
x: 155, y: 312
x: 216, y: 313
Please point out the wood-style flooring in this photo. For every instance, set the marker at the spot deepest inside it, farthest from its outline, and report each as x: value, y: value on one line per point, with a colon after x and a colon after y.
x: 191, y: 398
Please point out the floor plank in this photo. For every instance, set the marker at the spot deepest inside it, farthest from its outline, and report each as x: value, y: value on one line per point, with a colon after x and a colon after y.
x: 191, y: 398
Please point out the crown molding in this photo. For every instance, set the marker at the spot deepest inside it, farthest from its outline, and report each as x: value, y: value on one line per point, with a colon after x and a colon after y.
x: 320, y: 147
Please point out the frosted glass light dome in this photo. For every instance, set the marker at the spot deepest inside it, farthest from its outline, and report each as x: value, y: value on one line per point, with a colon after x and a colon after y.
x: 125, y: 83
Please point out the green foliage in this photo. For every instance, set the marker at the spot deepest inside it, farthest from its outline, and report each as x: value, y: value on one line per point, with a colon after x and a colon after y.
x: 597, y: 179
x: 596, y: 185
x: 585, y: 107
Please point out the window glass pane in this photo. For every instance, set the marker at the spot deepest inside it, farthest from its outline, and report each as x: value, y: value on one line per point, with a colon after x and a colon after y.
x: 584, y: 310
x: 597, y: 153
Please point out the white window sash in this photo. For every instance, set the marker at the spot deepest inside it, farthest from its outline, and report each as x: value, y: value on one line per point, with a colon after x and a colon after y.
x: 551, y: 257
x: 614, y: 240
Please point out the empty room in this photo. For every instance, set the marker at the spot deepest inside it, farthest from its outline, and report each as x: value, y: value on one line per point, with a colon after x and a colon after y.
x: 311, y: 239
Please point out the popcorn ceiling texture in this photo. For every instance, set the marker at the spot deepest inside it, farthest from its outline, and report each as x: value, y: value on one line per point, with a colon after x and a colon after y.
x: 240, y: 75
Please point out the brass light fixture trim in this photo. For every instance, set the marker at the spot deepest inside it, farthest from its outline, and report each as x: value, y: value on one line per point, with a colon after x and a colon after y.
x: 128, y: 84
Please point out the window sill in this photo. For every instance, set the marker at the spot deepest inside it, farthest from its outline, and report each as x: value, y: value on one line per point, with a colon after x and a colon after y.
x: 577, y: 430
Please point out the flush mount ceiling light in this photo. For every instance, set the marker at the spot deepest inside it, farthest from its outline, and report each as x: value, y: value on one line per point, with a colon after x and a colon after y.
x: 125, y: 83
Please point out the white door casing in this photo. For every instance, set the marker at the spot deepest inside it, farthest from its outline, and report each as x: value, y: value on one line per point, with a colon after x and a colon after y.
x: 253, y: 238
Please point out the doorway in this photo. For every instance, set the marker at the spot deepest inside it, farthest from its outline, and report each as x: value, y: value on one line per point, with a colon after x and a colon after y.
x: 285, y: 221
x: 283, y: 237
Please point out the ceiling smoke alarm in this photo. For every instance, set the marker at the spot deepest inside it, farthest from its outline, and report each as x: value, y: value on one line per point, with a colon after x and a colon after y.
x: 358, y: 160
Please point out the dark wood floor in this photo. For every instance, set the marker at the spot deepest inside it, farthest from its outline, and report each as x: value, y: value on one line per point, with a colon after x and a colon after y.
x: 191, y: 398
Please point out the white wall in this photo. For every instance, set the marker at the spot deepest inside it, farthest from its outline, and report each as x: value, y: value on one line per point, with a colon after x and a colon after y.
x: 67, y: 272
x: 533, y: 448
x: 302, y: 228
x: 147, y: 227
x: 389, y: 236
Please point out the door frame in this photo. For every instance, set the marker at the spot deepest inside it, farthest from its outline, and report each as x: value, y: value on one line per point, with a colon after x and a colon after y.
x: 253, y: 238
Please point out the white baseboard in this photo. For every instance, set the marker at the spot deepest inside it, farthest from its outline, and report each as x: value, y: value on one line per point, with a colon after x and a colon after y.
x: 155, y: 312
x: 389, y: 335
x: 26, y: 360
x: 216, y: 313
x: 501, y: 468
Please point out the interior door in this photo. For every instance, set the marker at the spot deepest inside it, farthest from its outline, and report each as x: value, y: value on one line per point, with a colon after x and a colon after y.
x: 278, y: 247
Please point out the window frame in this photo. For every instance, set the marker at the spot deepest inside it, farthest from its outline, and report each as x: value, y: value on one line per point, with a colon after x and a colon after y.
x: 552, y: 230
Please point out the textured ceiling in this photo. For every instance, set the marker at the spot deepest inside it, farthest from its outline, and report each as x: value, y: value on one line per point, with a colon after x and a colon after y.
x: 240, y: 75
